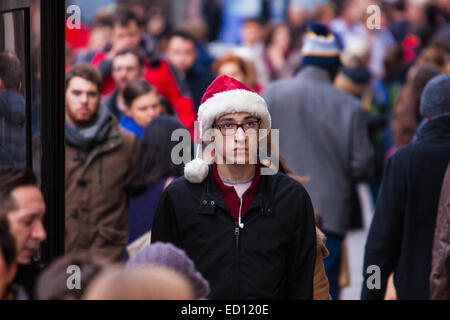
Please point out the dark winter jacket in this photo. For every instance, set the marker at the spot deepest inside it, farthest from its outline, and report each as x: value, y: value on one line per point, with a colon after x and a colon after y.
x: 401, y: 236
x: 12, y: 128
x: 272, y: 257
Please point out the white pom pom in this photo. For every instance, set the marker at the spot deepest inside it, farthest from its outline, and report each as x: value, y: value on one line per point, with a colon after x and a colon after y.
x: 196, y: 170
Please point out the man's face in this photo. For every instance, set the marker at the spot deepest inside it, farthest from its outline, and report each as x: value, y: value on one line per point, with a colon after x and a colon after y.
x: 251, y: 33
x: 181, y: 53
x: 126, y: 68
x: 127, y: 36
x: 145, y: 108
x: 82, y: 102
x: 240, y: 147
x: 25, y: 221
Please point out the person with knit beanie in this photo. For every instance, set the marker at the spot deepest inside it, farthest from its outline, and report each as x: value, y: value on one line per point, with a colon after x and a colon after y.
x: 323, y: 135
x: 166, y: 254
x: 249, y: 229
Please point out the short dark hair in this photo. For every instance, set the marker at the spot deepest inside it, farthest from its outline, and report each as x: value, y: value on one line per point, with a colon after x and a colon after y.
x: 10, y: 70
x: 124, y: 16
x: 135, y: 89
x: 10, y: 179
x: 153, y: 157
x: 7, y: 244
x: 137, y: 52
x: 181, y: 34
x: 256, y: 20
x: 165, y: 103
x: 274, y: 28
x: 85, y: 71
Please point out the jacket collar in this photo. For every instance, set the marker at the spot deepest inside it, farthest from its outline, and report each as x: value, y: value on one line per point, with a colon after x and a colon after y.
x: 224, y: 188
x: 436, y: 127
x: 212, y: 198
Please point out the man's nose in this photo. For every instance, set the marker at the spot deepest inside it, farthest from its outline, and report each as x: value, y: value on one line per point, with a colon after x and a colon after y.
x: 84, y: 98
x: 240, y: 134
x: 39, y: 232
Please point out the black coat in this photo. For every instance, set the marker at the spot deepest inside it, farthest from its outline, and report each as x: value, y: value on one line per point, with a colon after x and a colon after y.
x: 401, y: 235
x: 272, y: 257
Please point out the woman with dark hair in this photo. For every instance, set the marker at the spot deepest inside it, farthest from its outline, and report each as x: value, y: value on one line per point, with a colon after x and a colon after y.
x: 153, y: 173
x: 280, y: 58
x: 142, y: 105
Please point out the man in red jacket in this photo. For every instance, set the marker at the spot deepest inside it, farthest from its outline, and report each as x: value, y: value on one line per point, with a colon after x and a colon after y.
x: 128, y: 33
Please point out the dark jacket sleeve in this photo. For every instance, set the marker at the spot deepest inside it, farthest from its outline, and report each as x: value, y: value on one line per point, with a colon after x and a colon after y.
x: 384, y: 239
x: 361, y: 153
x: 164, y: 228
x: 302, y: 253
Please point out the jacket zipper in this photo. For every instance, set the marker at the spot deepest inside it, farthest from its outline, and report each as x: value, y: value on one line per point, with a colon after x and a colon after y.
x: 236, y: 235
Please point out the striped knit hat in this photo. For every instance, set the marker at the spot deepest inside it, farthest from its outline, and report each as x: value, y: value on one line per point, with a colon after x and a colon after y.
x: 321, y: 47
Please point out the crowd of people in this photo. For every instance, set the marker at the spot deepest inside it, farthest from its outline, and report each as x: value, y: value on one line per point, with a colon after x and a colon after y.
x: 351, y: 103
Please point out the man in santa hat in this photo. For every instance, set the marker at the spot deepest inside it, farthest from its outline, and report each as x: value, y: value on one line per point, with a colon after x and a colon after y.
x: 250, y: 234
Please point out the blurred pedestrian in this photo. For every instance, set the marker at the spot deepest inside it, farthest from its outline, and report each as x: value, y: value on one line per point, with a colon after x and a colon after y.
x: 280, y: 57
x: 128, y: 33
x: 167, y: 255
x: 52, y: 283
x: 406, y: 116
x: 22, y: 204
x: 323, y: 135
x: 401, y: 236
x: 154, y: 171
x: 127, y: 65
x: 142, y: 105
x: 12, y: 111
x: 192, y: 77
x: 99, y: 158
x: 139, y: 283
x: 235, y: 67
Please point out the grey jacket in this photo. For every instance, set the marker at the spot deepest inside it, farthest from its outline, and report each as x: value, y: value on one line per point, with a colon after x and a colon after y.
x: 322, y: 135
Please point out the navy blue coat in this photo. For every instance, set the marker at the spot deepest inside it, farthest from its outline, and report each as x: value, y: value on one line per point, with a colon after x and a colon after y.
x: 401, y: 235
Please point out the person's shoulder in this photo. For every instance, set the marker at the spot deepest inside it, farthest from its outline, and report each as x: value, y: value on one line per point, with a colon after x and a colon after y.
x: 399, y: 160
x: 284, y: 184
x: 277, y: 84
x: 129, y: 139
x: 180, y: 186
x: 86, y: 57
x: 344, y: 99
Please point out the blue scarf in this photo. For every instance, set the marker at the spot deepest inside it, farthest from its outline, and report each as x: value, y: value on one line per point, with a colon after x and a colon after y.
x: 131, y: 125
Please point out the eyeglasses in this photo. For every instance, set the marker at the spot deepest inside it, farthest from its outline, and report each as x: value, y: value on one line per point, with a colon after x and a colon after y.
x: 230, y: 129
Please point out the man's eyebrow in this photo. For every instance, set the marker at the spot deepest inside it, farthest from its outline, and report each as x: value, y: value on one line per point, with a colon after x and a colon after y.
x: 32, y: 215
x: 227, y: 119
x: 231, y: 119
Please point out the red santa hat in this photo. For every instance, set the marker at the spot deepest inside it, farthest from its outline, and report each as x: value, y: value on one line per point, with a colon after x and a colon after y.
x: 225, y: 95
